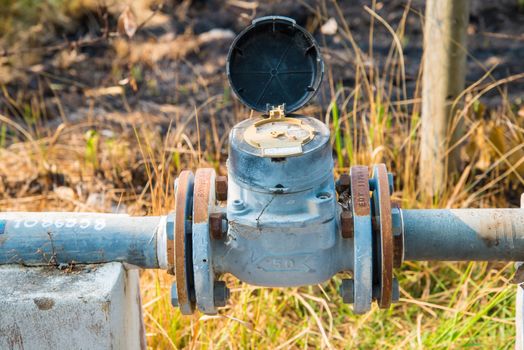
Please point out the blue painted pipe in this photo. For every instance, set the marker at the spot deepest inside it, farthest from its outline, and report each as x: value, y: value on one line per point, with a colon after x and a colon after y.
x: 464, y: 234
x: 35, y: 239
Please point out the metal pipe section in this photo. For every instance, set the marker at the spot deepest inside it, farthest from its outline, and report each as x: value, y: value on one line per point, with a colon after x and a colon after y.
x: 35, y: 239
x: 464, y: 234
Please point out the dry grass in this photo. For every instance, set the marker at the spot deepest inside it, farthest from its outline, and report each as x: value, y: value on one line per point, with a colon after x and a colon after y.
x: 126, y: 162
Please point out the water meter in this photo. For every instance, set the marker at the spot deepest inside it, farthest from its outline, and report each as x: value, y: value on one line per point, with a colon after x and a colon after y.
x: 282, y: 223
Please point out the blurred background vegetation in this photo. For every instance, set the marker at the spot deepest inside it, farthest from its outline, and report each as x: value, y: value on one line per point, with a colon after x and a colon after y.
x: 104, y: 102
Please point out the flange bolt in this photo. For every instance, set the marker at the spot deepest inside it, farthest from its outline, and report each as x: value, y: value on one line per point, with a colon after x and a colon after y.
x: 221, y: 293
x: 398, y: 240
x: 391, y: 183
x: 347, y: 291
x: 217, y: 225
x: 346, y: 224
x: 343, y: 183
x: 221, y: 188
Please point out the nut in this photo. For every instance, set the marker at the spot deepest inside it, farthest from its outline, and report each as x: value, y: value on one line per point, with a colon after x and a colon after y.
x: 343, y: 183
x: 216, y: 225
x: 395, y: 295
x: 391, y: 183
x: 221, y: 188
x: 398, y: 240
x: 170, y: 233
x: 220, y: 293
x: 174, y: 295
x: 347, y: 291
x: 346, y: 224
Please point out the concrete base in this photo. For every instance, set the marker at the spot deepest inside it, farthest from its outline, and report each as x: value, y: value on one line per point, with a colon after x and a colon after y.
x: 93, y: 307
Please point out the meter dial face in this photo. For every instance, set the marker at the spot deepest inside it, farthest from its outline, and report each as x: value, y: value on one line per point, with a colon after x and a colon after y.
x: 279, y: 138
x: 283, y: 131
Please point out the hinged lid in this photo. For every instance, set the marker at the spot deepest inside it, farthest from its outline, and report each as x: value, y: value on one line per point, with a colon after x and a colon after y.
x: 274, y: 62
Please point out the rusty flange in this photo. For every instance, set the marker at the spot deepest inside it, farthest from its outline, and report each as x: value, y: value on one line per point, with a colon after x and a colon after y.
x: 362, y: 252
x: 204, y: 204
x: 183, y: 260
x: 383, y: 234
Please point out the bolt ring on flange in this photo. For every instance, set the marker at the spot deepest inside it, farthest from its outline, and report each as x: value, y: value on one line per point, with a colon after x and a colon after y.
x: 362, y: 249
x: 384, y: 229
x: 183, y: 264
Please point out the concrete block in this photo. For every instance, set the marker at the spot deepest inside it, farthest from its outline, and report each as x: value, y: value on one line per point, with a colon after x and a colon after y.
x: 91, y: 307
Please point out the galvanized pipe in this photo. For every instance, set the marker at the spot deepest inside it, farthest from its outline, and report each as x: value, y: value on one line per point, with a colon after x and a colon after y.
x: 464, y: 234
x: 62, y: 238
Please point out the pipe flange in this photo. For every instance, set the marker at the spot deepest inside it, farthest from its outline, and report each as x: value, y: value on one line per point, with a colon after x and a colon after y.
x: 183, y: 259
x: 204, y: 204
x: 362, y: 248
x: 384, y: 235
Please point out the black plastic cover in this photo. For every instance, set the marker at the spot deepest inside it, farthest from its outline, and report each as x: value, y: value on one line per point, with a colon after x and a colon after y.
x: 274, y: 61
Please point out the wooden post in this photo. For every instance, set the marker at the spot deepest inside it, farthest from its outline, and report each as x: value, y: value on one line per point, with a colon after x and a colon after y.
x: 444, y: 67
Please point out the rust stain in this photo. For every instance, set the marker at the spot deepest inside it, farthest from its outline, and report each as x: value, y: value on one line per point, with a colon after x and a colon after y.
x: 386, y: 235
x: 44, y: 303
x: 185, y: 181
x: 202, y: 194
x: 360, y: 190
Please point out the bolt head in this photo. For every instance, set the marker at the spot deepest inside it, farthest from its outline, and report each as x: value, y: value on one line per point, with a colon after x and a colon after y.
x: 216, y: 225
x: 391, y: 183
x: 170, y: 226
x: 238, y: 204
x: 174, y: 295
x: 343, y: 183
x: 221, y: 293
x: 347, y: 291
x: 396, y: 220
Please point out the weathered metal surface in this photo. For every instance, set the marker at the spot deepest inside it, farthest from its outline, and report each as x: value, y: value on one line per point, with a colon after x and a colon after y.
x: 204, y: 204
x: 343, y: 183
x: 283, y: 221
x: 249, y: 169
x: 183, y: 242
x: 398, y: 234
x: 91, y: 307
x: 216, y: 225
x: 346, y: 224
x: 221, y: 188
x: 384, y: 233
x: 54, y: 238
x: 464, y: 234
x: 362, y: 245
